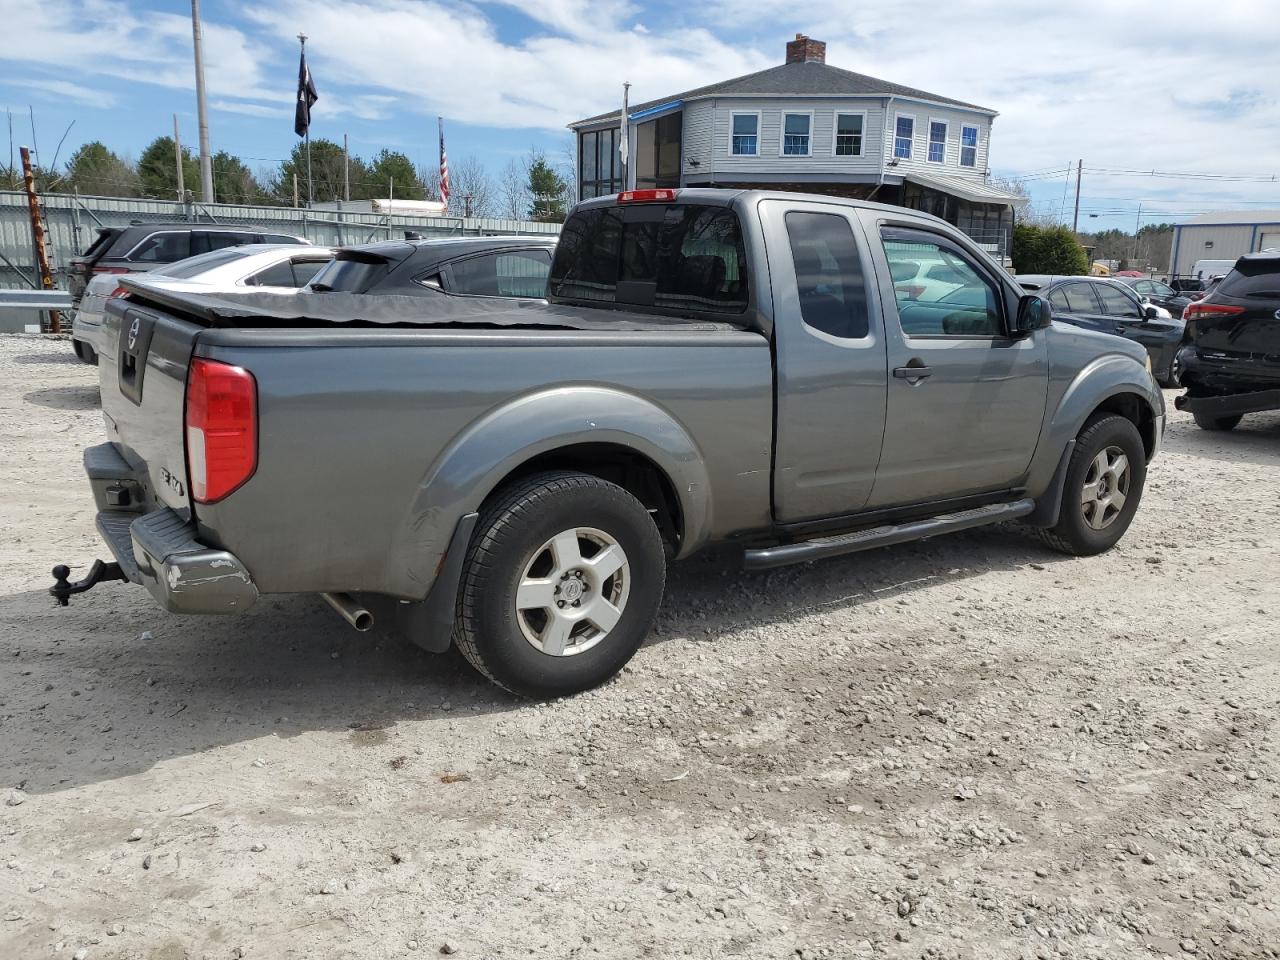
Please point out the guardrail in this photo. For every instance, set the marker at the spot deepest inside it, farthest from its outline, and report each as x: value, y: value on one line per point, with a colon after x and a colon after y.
x: 35, y: 300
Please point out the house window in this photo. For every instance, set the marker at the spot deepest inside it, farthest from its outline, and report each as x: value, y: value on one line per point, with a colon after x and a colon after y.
x: 968, y: 146
x: 746, y: 134
x: 795, y: 134
x: 937, y: 141
x: 849, y: 134
x: 904, y: 132
x: 599, y: 164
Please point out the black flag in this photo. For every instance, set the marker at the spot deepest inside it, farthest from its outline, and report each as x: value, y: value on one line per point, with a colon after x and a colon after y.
x: 307, y: 96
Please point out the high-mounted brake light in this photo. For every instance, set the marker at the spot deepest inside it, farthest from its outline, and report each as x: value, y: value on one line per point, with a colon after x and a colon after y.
x: 222, y: 428
x: 1199, y: 310
x: 110, y: 270
x: 646, y: 196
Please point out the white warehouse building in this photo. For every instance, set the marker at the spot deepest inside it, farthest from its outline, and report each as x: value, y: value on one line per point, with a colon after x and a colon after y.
x: 1223, y: 236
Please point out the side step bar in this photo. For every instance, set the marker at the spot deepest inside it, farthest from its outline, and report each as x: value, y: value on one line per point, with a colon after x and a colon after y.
x: 766, y: 557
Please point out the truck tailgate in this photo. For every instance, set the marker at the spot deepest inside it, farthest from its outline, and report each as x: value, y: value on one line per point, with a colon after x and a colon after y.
x: 143, y: 377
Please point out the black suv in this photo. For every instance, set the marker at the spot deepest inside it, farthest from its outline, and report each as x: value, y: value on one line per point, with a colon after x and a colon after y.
x: 1231, y: 362
x: 143, y: 247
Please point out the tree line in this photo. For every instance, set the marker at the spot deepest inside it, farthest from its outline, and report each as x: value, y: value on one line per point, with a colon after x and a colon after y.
x: 531, y: 187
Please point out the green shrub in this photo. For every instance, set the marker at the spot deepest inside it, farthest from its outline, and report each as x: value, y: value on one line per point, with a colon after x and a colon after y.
x: 1051, y: 250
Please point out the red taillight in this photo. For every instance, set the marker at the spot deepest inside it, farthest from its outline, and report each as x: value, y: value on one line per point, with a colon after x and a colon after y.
x: 110, y: 270
x: 222, y: 428
x: 1199, y: 310
x: 646, y: 196
x: 119, y: 293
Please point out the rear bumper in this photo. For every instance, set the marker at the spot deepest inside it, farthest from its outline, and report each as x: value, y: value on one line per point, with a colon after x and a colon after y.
x: 158, y: 549
x: 1254, y: 401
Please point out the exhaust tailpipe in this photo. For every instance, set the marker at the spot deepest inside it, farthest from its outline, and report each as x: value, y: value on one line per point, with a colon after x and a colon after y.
x: 350, y: 610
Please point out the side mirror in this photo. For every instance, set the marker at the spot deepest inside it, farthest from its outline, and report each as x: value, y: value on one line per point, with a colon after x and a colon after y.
x: 1150, y: 311
x: 1034, y: 313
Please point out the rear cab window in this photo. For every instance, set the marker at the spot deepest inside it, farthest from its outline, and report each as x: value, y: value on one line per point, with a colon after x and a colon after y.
x: 348, y: 274
x: 675, y: 258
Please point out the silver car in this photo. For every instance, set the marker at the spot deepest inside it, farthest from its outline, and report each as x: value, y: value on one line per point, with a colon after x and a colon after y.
x: 270, y: 267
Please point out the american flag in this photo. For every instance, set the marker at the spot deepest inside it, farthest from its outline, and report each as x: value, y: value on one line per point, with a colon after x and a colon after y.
x: 444, y: 167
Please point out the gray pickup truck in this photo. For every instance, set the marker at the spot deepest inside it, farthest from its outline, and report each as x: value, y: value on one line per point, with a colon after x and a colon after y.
x: 711, y: 366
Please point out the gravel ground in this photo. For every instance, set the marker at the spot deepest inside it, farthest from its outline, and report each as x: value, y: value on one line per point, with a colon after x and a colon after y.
x: 969, y: 747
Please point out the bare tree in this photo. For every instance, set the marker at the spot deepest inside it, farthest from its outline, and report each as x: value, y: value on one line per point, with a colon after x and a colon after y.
x: 429, y: 176
x: 513, y: 190
x: 469, y: 178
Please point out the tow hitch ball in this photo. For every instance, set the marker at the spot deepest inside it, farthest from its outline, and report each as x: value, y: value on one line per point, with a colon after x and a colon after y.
x: 99, y: 572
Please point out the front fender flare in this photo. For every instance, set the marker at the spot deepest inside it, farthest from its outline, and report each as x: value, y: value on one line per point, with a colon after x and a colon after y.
x: 1097, y: 382
x: 460, y: 478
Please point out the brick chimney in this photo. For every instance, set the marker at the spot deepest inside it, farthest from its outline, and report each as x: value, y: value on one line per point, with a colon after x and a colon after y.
x: 804, y: 50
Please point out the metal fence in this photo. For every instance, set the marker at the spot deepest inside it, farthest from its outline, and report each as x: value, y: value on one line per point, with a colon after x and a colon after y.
x: 72, y: 222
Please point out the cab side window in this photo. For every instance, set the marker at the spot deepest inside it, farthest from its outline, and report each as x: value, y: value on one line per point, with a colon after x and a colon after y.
x: 948, y: 295
x: 517, y: 273
x: 163, y: 248
x: 829, y: 278
x: 1079, y: 298
x: 1116, y: 303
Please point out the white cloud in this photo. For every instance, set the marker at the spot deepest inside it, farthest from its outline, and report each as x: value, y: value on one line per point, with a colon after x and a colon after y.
x: 65, y: 90
x: 1120, y: 84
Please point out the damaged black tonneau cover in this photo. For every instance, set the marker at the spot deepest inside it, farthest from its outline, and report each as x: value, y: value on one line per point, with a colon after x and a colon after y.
x: 298, y: 310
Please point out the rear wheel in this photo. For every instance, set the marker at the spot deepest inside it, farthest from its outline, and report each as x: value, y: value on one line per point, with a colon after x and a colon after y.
x: 1206, y: 422
x: 84, y: 351
x: 1103, y: 488
x: 562, y: 583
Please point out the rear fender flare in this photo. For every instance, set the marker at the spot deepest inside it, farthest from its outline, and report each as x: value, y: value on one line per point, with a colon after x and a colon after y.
x: 459, y: 480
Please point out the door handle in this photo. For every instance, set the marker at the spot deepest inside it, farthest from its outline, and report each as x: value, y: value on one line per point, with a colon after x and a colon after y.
x: 912, y: 373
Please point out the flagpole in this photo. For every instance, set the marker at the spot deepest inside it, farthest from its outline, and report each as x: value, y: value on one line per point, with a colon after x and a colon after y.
x: 624, y: 146
x: 302, y: 37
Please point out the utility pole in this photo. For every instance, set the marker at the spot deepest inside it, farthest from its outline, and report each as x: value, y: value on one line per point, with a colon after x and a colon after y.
x: 202, y: 110
x: 177, y: 154
x: 466, y: 205
x: 1137, y: 225
x: 346, y: 170
x: 1075, y: 221
x: 295, y: 190
x: 37, y: 236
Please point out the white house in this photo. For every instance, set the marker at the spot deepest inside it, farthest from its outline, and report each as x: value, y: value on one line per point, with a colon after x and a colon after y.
x: 812, y: 127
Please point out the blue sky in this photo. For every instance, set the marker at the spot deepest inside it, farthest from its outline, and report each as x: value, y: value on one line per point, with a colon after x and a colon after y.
x: 1126, y: 86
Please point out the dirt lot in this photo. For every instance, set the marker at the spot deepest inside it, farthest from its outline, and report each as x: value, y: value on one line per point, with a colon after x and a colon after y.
x: 963, y: 748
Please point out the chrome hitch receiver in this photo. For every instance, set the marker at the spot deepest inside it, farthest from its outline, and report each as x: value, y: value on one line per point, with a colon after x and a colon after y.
x: 98, y: 573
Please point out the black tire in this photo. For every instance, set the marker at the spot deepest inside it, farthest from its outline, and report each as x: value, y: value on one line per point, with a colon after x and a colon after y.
x: 509, y: 534
x: 1073, y: 534
x: 1206, y: 422
x: 85, y: 352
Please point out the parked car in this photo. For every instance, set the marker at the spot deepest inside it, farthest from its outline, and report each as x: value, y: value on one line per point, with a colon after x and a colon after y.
x: 1231, y: 362
x: 1105, y: 305
x: 711, y: 366
x: 461, y: 267
x: 143, y: 247
x: 263, y: 266
x: 1154, y: 291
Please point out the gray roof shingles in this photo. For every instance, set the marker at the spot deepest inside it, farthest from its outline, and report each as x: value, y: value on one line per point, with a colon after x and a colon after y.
x: 808, y: 78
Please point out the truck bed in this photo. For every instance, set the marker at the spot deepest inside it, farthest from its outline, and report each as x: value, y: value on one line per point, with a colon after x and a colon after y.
x: 373, y: 439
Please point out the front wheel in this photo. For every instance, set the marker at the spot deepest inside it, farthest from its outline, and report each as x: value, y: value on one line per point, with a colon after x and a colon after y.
x: 1206, y: 422
x: 1103, y: 488
x: 562, y: 583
